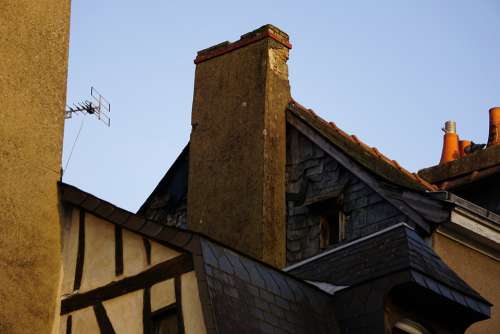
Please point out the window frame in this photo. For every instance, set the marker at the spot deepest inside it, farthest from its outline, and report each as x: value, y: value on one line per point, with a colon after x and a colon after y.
x: 169, y: 310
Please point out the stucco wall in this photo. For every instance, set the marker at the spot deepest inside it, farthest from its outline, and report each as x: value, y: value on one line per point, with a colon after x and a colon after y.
x: 82, y: 322
x: 125, y: 312
x: 134, y: 255
x: 99, y: 252
x: 161, y: 253
x: 191, y: 305
x: 99, y: 260
x: 478, y: 270
x: 162, y: 294
x: 33, y: 70
x: 70, y: 227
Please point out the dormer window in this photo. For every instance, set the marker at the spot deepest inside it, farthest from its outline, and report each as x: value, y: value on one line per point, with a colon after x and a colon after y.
x: 332, y: 221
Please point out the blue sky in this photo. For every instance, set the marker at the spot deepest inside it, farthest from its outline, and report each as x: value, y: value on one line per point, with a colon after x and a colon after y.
x: 390, y: 72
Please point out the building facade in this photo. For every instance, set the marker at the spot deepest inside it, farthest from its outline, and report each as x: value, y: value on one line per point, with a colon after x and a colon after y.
x: 271, y: 220
x: 344, y: 201
x: 34, y: 39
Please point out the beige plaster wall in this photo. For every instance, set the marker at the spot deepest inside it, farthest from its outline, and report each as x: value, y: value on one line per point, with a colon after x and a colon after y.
x: 160, y: 253
x: 99, y: 261
x: 134, y: 254
x: 83, y: 322
x: 162, y: 294
x: 57, y: 319
x: 191, y: 305
x: 478, y: 270
x: 125, y: 312
x: 62, y: 324
x: 70, y: 228
x: 34, y: 39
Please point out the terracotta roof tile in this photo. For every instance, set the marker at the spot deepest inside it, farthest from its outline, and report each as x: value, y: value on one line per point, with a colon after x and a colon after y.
x: 470, y: 168
x: 370, y: 157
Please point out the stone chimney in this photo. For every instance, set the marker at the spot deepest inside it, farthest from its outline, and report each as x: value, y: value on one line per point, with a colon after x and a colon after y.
x: 236, y: 191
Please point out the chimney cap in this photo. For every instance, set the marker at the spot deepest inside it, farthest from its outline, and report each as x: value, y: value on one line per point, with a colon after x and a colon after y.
x: 450, y: 127
x: 266, y: 31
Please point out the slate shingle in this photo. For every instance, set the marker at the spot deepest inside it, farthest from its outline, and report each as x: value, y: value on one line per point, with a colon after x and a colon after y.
x: 398, y: 249
x: 259, y: 297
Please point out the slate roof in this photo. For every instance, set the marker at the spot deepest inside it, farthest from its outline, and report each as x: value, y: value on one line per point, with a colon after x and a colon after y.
x: 249, y: 297
x: 171, y: 191
x: 238, y: 294
x: 367, y: 156
x: 393, y: 250
x: 468, y: 169
x: 475, y: 209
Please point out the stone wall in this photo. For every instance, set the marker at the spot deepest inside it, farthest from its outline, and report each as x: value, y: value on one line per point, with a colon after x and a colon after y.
x: 237, y: 147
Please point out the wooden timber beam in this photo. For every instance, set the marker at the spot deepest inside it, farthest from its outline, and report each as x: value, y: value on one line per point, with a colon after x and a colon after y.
x: 160, y: 272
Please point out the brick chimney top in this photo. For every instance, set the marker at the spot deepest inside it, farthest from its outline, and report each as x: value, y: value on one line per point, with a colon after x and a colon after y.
x: 266, y: 31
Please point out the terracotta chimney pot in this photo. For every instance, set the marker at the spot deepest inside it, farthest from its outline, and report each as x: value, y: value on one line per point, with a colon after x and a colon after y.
x: 451, y: 149
x: 494, y: 135
x: 462, y: 145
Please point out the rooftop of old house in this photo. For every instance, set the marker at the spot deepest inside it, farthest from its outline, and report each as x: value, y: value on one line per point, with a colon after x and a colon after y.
x: 369, y: 157
x: 462, y: 161
x: 470, y: 168
x: 230, y: 278
x: 383, y: 254
x: 389, y: 253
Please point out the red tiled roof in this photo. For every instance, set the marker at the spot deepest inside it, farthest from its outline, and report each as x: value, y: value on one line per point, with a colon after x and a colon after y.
x: 367, y: 156
x: 468, y: 169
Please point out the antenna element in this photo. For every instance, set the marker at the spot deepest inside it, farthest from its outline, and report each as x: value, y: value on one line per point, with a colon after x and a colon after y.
x: 100, y: 107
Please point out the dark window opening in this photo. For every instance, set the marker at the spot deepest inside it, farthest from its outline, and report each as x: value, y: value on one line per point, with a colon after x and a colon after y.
x: 332, y: 221
x: 165, y: 321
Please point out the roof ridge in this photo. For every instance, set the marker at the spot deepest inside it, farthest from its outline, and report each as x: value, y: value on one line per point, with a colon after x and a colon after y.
x: 346, y: 245
x: 371, y: 150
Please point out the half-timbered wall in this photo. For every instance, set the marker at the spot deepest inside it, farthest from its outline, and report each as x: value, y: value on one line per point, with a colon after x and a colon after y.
x: 313, y: 176
x: 117, y: 281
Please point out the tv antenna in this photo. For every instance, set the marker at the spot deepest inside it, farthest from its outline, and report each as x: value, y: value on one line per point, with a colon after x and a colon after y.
x: 99, y: 107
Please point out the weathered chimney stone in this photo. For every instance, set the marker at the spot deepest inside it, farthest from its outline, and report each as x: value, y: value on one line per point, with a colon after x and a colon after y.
x: 236, y: 188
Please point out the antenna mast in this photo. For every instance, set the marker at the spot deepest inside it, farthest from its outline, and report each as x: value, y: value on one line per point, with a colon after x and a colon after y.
x: 100, y: 107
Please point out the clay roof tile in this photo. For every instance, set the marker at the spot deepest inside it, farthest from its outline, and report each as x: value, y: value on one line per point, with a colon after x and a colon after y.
x: 360, y: 147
